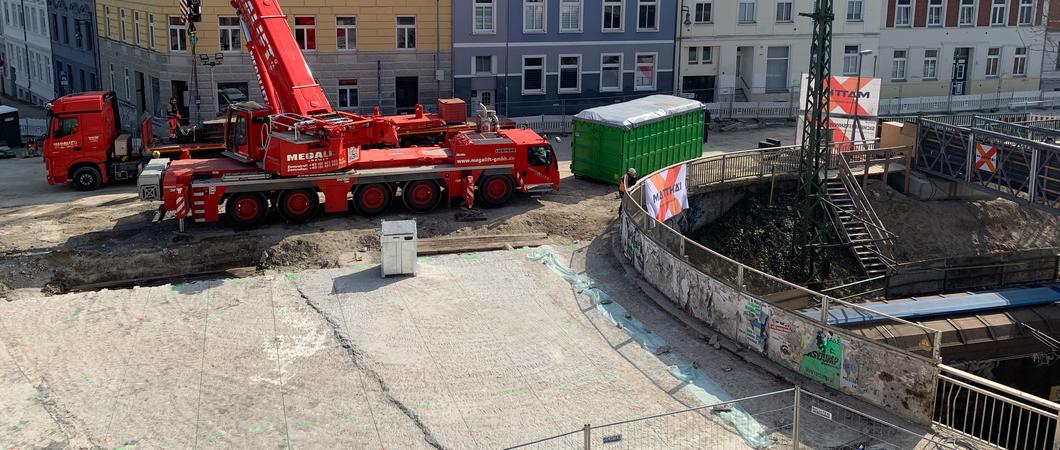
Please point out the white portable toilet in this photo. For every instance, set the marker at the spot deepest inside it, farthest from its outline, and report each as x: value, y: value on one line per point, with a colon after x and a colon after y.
x: 398, y: 242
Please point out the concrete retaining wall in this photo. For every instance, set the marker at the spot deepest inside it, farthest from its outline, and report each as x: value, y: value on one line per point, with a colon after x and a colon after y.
x: 888, y: 378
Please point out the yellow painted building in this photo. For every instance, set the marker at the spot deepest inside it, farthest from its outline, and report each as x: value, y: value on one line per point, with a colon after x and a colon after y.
x: 369, y: 53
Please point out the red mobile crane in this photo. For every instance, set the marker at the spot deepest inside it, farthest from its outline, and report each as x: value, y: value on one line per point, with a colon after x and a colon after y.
x: 297, y: 148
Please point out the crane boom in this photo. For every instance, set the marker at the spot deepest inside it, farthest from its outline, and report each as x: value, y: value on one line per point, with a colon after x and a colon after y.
x: 286, y: 80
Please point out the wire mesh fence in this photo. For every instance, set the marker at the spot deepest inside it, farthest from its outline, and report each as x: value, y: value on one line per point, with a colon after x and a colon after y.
x: 791, y: 418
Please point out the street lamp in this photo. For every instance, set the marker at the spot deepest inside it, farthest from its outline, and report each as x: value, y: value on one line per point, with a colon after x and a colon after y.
x: 213, y: 61
x: 857, y: 99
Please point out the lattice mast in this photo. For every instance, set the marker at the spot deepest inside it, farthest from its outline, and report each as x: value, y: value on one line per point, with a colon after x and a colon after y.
x: 813, y: 230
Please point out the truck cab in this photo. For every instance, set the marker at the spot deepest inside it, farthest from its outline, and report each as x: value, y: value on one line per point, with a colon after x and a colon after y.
x: 79, y: 145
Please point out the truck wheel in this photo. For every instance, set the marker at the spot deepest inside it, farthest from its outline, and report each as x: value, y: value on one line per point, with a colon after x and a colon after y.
x: 247, y: 209
x: 372, y: 199
x: 495, y: 190
x: 87, y: 178
x: 421, y: 196
x: 298, y: 205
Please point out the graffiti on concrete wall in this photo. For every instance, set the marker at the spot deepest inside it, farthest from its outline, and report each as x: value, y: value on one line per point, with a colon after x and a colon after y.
x: 822, y: 358
x: 753, y: 330
x: 631, y: 240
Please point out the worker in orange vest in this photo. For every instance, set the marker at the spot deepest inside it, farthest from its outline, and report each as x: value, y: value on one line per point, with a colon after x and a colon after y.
x: 173, y: 116
x: 628, y: 180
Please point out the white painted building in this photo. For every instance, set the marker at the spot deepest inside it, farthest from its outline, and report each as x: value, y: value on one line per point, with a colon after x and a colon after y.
x: 27, y: 47
x: 757, y: 50
x: 936, y: 47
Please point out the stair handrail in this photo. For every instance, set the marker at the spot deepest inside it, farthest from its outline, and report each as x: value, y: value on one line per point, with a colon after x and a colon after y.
x: 884, y: 240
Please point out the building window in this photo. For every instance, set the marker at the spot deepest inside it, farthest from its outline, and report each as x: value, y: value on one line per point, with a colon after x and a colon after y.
x: 993, y: 59
x: 534, y: 16
x: 121, y: 24
x: 230, y: 33
x: 934, y: 13
x: 178, y: 35
x: 704, y: 11
x: 305, y: 32
x: 902, y: 12
x: 136, y: 27
x: 997, y: 12
x: 348, y: 95
x: 851, y: 56
x: 644, y: 74
x: 777, y: 69
x: 150, y: 32
x: 128, y: 88
x: 483, y: 65
x: 1026, y: 16
x: 570, y: 73
x: 346, y: 33
x: 1019, y: 63
x: 707, y: 55
x: 855, y: 10
x: 613, y: 15
x: 611, y: 72
x: 55, y: 26
x: 570, y: 15
x: 693, y: 55
x: 647, y: 15
x: 66, y: 31
x: 533, y: 75
x: 967, y: 15
x: 931, y: 64
x: 746, y: 13
x: 484, y: 16
x: 898, y: 65
x: 784, y: 11
x: 406, y: 32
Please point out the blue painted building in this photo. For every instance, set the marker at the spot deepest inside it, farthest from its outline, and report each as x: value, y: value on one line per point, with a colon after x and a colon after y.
x: 73, y: 42
x: 531, y: 57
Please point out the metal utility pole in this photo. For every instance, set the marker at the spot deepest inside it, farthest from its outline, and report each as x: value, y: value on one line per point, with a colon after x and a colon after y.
x: 813, y: 231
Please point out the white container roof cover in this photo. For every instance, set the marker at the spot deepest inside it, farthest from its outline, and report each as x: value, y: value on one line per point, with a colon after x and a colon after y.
x: 634, y: 113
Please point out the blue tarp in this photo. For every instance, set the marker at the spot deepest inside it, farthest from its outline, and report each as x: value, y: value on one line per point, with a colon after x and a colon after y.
x: 944, y: 306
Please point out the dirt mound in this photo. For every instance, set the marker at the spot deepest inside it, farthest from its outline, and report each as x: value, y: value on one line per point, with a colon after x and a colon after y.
x: 938, y: 229
x: 297, y: 253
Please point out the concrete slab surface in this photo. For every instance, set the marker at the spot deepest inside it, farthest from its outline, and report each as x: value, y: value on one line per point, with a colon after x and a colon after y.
x: 477, y: 351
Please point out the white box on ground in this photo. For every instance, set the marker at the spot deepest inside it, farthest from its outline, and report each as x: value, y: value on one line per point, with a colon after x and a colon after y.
x: 398, y: 242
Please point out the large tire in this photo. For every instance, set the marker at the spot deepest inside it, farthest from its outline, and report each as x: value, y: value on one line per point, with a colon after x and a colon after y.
x: 372, y: 199
x: 247, y: 209
x: 494, y: 191
x: 86, y: 178
x: 298, y: 205
x: 421, y: 196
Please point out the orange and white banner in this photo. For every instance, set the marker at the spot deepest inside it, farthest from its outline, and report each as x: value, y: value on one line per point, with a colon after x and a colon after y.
x: 666, y: 193
x: 986, y: 157
x: 849, y: 94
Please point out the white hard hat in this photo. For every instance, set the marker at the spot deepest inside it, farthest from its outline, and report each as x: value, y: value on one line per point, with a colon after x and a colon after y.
x: 632, y: 171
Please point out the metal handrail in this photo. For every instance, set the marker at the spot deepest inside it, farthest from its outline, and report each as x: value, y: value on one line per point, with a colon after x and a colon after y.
x: 863, y: 206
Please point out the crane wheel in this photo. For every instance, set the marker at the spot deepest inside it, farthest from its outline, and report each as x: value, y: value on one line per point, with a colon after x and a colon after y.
x: 298, y: 205
x: 372, y: 199
x: 247, y: 209
x: 87, y: 178
x: 421, y: 196
x: 495, y: 190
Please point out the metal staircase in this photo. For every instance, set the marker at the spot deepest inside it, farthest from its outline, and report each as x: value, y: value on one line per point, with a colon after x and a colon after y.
x: 857, y: 224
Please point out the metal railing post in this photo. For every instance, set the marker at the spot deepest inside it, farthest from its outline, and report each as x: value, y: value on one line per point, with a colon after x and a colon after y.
x: 824, y: 309
x: 587, y: 432
x: 795, y: 419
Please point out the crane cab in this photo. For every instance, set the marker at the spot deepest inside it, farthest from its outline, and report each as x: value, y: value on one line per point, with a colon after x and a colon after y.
x: 244, y: 131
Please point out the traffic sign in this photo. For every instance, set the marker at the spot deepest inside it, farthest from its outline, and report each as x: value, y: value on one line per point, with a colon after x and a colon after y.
x: 63, y: 79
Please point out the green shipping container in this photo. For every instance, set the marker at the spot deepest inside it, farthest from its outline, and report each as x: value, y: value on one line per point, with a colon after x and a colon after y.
x: 646, y: 134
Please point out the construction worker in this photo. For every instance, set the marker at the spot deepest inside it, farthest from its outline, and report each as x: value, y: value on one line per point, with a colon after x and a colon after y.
x: 173, y: 116
x: 628, y: 180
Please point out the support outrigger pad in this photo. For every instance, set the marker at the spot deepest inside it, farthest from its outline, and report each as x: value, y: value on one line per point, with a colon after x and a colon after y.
x: 469, y: 215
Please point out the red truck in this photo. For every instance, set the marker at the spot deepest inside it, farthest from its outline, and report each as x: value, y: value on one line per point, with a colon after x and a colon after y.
x: 84, y: 144
x: 296, y: 153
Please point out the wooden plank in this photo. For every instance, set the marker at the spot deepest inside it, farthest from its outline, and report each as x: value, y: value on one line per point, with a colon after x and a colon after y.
x: 461, y: 244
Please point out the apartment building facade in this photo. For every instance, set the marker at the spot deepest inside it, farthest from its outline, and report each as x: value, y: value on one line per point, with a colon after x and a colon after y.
x: 757, y: 50
x: 531, y: 57
x: 1051, y: 62
x: 27, y: 50
x: 73, y: 43
x: 391, y: 56
x: 958, y: 47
